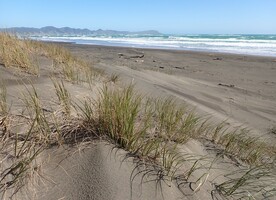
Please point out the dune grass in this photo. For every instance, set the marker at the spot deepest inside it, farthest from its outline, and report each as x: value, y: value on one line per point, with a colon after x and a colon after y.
x: 153, y: 130
x: 138, y: 125
x: 71, y: 68
x: 63, y: 96
x: 132, y: 121
x: 256, y: 182
x: 239, y: 144
x: 256, y: 158
x: 24, y: 53
x: 15, y: 53
x: 175, y: 123
x: 28, y: 135
x: 23, y: 147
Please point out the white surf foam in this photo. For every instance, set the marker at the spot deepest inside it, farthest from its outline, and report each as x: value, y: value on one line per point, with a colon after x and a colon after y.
x: 230, y: 44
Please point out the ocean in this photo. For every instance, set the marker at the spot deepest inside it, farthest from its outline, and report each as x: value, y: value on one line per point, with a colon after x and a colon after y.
x: 264, y: 45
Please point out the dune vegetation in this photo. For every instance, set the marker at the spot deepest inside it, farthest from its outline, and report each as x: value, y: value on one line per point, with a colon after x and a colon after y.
x: 153, y: 131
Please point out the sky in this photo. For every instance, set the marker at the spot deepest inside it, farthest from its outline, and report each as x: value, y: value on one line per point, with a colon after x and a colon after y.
x: 166, y: 16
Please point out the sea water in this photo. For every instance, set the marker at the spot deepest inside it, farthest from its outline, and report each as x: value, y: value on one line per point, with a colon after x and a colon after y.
x: 264, y: 45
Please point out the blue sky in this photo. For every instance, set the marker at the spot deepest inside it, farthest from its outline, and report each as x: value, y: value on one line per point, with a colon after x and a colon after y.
x: 167, y: 16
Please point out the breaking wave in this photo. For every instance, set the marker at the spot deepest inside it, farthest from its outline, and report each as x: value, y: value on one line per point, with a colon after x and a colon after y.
x: 239, y: 44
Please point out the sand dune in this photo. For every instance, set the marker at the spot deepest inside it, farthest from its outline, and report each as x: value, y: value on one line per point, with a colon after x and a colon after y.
x: 100, y: 172
x: 239, y: 89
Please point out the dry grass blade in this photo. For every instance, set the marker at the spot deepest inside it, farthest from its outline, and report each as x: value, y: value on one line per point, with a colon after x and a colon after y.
x: 3, y: 99
x: 258, y: 182
x: 114, y: 78
x: 63, y: 96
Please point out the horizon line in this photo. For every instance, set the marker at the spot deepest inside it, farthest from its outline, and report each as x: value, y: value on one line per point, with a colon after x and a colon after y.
x: 123, y: 30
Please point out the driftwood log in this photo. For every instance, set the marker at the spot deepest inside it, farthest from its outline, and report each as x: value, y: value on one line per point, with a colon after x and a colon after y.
x: 130, y: 56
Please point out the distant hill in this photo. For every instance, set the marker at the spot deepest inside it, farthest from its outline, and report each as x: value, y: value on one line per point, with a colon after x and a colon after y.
x: 53, y: 31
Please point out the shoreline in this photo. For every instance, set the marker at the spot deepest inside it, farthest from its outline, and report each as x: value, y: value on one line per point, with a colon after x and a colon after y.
x: 166, y: 49
x: 200, y: 52
x: 186, y: 50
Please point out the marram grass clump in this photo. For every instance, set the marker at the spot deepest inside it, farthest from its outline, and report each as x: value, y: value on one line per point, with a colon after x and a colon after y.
x: 15, y: 52
x: 24, y: 54
x: 151, y: 130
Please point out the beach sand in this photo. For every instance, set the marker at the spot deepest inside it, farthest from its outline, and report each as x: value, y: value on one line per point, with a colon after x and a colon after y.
x: 239, y: 89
